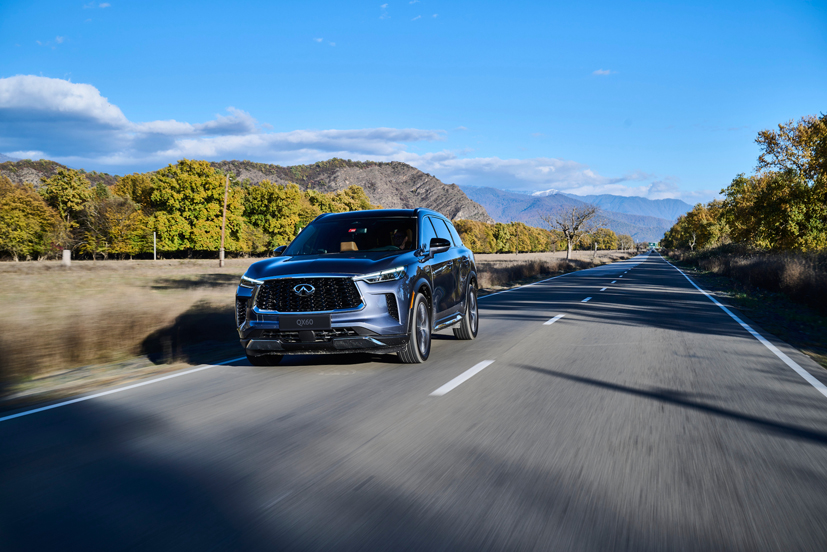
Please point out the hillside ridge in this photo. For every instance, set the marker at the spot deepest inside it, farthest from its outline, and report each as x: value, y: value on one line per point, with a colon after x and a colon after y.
x: 394, y: 185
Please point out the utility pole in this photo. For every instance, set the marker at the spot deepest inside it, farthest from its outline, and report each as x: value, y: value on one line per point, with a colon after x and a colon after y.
x: 223, y: 221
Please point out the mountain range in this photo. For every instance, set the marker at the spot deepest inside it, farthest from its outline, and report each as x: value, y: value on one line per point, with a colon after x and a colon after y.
x: 668, y: 209
x: 628, y: 217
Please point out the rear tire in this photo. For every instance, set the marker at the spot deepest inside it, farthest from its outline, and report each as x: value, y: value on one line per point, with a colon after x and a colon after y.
x: 470, y: 323
x: 418, y: 348
x: 264, y: 360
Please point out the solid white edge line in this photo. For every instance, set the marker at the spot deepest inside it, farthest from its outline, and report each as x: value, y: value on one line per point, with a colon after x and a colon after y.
x: 462, y: 378
x: 553, y: 320
x: 585, y: 300
x: 820, y: 387
x: 118, y: 390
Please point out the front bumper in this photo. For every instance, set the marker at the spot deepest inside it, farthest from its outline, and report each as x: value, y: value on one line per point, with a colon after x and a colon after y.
x: 290, y: 343
x: 376, y: 326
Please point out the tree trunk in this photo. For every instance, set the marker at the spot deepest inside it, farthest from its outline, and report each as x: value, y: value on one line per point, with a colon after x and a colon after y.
x: 568, y: 250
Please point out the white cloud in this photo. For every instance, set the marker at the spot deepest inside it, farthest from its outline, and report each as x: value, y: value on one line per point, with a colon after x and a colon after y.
x: 414, y: 2
x: 383, y: 6
x: 91, y: 5
x: 435, y: 15
x: 318, y: 39
x: 59, y: 39
x: 33, y: 155
x: 603, y: 72
x: 104, y: 5
x: 333, y: 44
x: 417, y: 17
x: 74, y: 124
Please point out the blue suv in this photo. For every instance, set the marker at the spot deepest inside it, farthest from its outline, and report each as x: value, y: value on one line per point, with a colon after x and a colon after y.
x: 365, y: 281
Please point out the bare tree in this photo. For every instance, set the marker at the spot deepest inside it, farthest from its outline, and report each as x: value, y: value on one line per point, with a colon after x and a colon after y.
x: 573, y: 222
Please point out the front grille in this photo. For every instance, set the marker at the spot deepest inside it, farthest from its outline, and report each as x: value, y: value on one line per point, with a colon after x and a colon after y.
x: 330, y: 294
x: 240, y: 311
x: 320, y: 336
x: 393, y: 309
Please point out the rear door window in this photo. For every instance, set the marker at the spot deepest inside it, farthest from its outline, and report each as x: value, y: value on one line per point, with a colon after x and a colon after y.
x: 442, y: 230
x: 427, y: 233
x: 455, y: 235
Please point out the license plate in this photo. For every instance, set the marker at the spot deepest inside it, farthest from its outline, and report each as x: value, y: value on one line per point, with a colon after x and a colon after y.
x: 292, y: 322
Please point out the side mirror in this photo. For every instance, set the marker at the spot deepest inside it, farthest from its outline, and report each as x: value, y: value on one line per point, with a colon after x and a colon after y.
x: 279, y: 250
x: 439, y: 245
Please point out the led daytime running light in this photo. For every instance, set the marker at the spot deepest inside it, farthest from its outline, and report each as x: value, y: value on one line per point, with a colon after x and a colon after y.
x: 383, y: 276
x: 247, y: 282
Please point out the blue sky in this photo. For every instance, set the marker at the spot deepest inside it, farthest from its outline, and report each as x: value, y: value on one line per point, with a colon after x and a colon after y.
x: 653, y: 99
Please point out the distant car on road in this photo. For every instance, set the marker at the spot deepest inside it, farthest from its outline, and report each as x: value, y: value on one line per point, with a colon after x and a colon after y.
x: 365, y: 281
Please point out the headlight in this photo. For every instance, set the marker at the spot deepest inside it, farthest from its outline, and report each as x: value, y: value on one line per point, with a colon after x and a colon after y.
x: 384, y: 276
x: 249, y: 282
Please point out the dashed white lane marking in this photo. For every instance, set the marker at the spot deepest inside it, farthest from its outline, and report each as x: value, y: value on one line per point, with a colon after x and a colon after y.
x: 820, y: 387
x: 462, y: 378
x: 585, y: 300
x: 112, y: 391
x: 614, y: 281
x: 603, y: 289
x: 553, y: 320
x: 621, y: 276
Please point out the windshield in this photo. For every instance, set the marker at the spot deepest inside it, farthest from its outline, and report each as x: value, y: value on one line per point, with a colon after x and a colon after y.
x: 349, y: 235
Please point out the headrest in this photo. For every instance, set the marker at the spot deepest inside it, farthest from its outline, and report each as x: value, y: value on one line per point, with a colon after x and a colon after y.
x: 348, y: 246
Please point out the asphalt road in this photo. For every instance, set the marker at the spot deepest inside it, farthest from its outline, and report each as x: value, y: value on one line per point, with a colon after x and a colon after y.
x: 643, y: 419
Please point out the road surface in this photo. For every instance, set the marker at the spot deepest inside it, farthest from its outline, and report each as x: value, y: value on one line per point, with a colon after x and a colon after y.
x: 646, y: 418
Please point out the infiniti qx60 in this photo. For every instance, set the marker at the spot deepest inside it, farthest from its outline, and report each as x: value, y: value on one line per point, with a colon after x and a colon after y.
x: 366, y: 281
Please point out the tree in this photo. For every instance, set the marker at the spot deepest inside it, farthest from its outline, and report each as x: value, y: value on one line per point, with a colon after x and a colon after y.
x: 113, y: 225
x: 136, y: 187
x: 26, y: 222
x: 187, y: 200
x: 625, y: 242
x: 67, y: 192
x: 505, y: 241
x: 476, y: 236
x: 799, y: 146
x: 604, y: 238
x: 275, y: 209
x: 573, y: 222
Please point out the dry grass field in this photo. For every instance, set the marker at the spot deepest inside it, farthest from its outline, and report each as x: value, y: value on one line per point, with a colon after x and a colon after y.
x: 56, y: 318
x: 96, y: 321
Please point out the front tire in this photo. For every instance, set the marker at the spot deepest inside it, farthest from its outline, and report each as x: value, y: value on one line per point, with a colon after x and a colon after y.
x: 470, y: 323
x: 264, y: 360
x: 419, y: 333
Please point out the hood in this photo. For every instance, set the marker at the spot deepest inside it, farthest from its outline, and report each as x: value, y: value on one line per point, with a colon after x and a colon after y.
x: 337, y: 264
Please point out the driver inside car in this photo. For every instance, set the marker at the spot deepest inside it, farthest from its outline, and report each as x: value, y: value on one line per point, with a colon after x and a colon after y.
x: 401, y: 239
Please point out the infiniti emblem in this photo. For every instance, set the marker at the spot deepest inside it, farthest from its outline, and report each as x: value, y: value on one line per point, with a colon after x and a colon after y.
x: 304, y: 290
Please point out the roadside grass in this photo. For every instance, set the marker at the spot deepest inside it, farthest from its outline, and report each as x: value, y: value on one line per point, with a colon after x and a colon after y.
x: 66, y: 331
x: 800, y: 276
x: 802, y: 326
